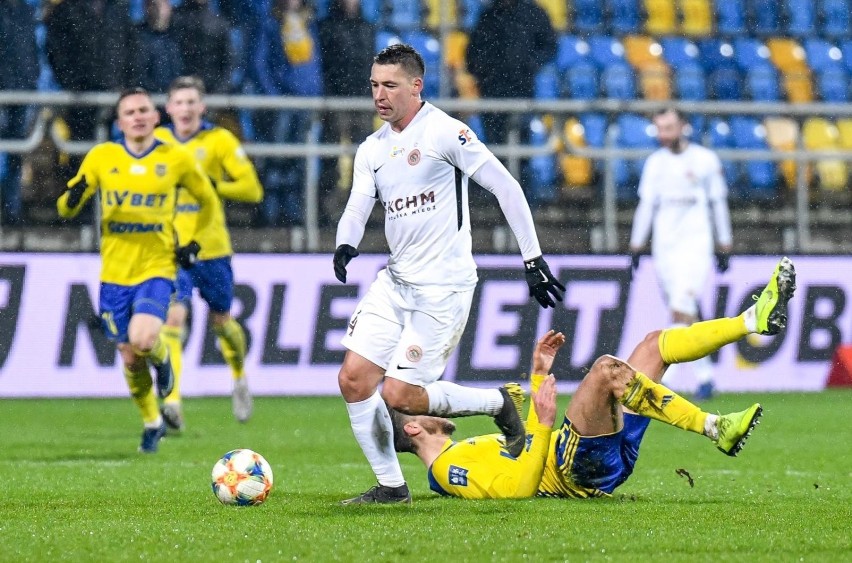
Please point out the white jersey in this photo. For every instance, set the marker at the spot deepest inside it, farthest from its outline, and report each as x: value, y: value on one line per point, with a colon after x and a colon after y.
x: 420, y: 176
x: 684, y: 194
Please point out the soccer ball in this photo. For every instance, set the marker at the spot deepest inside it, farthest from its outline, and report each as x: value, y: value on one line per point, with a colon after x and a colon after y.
x: 242, y: 477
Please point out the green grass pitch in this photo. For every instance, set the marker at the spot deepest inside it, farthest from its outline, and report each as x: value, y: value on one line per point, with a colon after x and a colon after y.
x: 75, y: 489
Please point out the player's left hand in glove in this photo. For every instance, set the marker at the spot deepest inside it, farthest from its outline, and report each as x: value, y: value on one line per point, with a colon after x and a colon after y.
x: 722, y: 262
x: 75, y: 192
x: 543, y: 285
x: 187, y: 255
x: 342, y: 256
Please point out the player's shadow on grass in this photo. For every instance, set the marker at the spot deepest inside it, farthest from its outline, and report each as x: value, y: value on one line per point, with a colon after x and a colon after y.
x: 84, y: 457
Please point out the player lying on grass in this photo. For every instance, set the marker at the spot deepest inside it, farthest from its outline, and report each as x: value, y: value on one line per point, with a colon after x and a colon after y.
x: 595, y: 449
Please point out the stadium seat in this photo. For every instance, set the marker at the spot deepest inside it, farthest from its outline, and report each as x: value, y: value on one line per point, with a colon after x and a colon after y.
x: 726, y: 83
x: 715, y: 53
x: 371, y: 10
x: 798, y: 87
x: 588, y: 16
x: 594, y: 128
x: 430, y: 49
x: 542, y: 167
x: 719, y: 137
x: 690, y: 83
x: 434, y: 14
x: 386, y: 38
x: 679, y: 51
x: 765, y: 17
x: 618, y: 81
x: 697, y: 124
x: 581, y: 81
x: 821, y: 54
x: 570, y: 50
x: 782, y: 134
x: 750, y: 53
x: 835, y: 18
x: 634, y: 132
x: 730, y: 17
x: 697, y: 17
x: 642, y: 51
x: 819, y: 134
x: 405, y: 15
x: 546, y: 85
x: 801, y: 18
x: 605, y: 50
x: 576, y: 171
x: 455, y: 49
x: 557, y: 11
x: 762, y: 84
x: 661, y: 17
x: 787, y: 54
x: 623, y: 16
x: 470, y: 10
x: 844, y: 129
x: 761, y: 175
x: 655, y: 82
x: 833, y: 85
x: 846, y: 51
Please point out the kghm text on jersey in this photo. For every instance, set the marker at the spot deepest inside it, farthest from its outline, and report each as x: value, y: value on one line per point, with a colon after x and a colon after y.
x: 410, y: 202
x: 118, y: 198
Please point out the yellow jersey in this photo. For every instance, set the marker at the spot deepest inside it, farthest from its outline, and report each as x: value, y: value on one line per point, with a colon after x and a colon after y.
x: 138, y: 195
x: 222, y: 158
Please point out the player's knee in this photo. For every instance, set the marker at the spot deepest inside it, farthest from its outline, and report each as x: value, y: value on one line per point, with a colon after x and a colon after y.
x: 403, y: 398
x: 612, y: 373
x: 353, y: 385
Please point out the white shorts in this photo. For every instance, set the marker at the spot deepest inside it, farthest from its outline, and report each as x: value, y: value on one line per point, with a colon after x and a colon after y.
x: 683, y: 278
x: 408, y: 332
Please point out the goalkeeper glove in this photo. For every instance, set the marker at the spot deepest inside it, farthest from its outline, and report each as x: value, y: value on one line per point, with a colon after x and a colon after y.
x: 187, y: 255
x: 722, y: 262
x: 542, y: 283
x: 342, y: 256
x: 75, y: 192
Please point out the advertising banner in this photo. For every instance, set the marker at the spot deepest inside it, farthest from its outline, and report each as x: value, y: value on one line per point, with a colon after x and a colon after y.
x: 295, y: 313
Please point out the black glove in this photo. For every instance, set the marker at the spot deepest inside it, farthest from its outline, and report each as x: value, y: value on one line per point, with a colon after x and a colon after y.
x: 187, y: 255
x: 342, y: 256
x: 542, y: 283
x: 75, y: 192
x: 634, y: 262
x: 722, y: 262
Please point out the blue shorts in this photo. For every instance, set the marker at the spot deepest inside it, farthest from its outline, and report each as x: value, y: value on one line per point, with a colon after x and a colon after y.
x: 214, y: 280
x: 600, y: 462
x: 118, y: 303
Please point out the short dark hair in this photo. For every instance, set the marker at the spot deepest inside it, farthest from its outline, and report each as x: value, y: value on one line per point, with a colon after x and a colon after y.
x: 127, y: 92
x: 182, y: 82
x: 402, y: 442
x: 664, y: 110
x: 403, y: 55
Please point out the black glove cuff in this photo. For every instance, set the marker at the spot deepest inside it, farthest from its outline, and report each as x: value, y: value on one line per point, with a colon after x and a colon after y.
x: 533, y: 263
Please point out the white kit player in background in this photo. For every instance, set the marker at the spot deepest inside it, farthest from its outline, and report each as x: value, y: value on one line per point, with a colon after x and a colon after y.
x: 405, y: 328
x: 683, y: 199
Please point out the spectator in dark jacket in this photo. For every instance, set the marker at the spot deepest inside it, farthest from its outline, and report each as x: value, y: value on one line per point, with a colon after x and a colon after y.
x: 158, y: 59
x: 18, y: 71
x: 204, y: 41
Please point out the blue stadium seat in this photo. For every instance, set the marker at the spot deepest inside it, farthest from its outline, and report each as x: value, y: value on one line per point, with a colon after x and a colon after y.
x: 726, y: 83
x: 386, y: 38
x: 635, y: 132
x: 761, y: 175
x: 690, y: 82
x: 430, y: 49
x: 371, y: 10
x: 542, y: 187
x: 570, y: 50
x: 801, y: 18
x: 730, y: 17
x: 846, y: 50
x: 765, y: 17
x: 581, y: 81
x: 678, y: 51
x: 470, y: 10
x: 594, y: 128
x: 405, y: 15
x: 720, y: 137
x: 618, y: 81
x: 623, y: 16
x: 605, y: 50
x: 588, y: 16
x: 715, y: 53
x: 750, y: 53
x: 833, y: 84
x: 835, y: 18
x: 697, y: 124
x: 546, y: 85
x: 762, y: 82
x: 821, y: 54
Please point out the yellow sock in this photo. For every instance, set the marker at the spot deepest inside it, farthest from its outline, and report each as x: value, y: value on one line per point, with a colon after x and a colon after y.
x: 159, y: 352
x: 142, y: 392
x: 688, y: 343
x: 232, y: 340
x: 655, y: 400
x: 172, y: 338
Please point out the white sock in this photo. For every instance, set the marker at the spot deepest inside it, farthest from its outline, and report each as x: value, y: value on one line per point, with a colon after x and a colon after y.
x: 156, y: 424
x: 750, y: 316
x: 710, y: 428
x: 372, y: 427
x: 449, y: 399
x: 703, y: 369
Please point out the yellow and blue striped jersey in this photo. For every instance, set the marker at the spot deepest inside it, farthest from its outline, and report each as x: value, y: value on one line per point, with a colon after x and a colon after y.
x: 220, y: 155
x: 138, y: 195
x: 556, y: 480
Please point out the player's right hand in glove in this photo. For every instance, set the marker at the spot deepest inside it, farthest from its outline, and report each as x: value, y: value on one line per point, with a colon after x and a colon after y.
x: 76, y: 191
x: 543, y: 285
x: 187, y: 255
x: 342, y: 256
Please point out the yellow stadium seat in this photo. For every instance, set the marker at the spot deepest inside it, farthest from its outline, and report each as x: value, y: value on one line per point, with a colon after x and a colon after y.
x: 455, y: 49
x: 844, y: 128
x: 820, y: 134
x: 661, y: 17
x: 434, y: 7
x: 642, y: 51
x: 576, y: 171
x: 798, y: 87
x: 466, y: 85
x: 782, y: 134
x: 557, y: 11
x: 655, y: 83
x: 787, y: 55
x: 697, y: 17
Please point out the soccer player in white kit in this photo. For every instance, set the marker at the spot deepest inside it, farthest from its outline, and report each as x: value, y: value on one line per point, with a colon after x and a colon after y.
x: 683, y: 199
x: 406, y: 327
